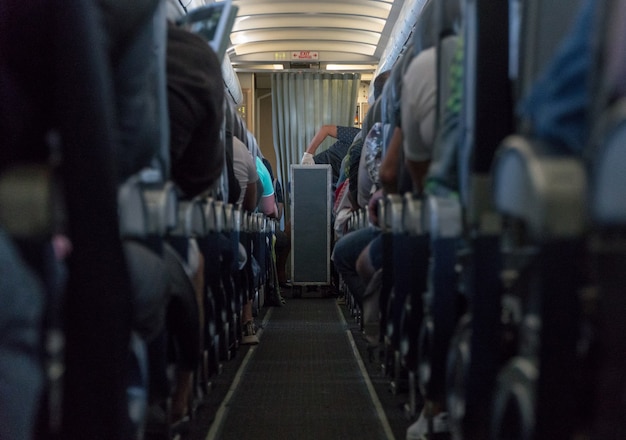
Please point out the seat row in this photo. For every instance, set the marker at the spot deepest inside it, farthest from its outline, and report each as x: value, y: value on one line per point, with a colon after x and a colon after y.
x: 501, y: 302
x: 178, y: 231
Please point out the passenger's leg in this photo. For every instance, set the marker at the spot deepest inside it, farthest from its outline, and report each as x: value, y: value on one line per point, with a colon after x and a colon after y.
x: 249, y: 333
x: 345, y: 255
x: 183, y: 323
x: 370, y: 259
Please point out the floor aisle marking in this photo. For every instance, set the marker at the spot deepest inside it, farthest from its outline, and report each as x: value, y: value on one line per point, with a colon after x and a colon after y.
x: 382, y: 416
x: 220, y: 416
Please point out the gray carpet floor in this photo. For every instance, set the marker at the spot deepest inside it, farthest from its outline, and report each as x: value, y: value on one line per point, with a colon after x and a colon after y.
x: 303, y: 381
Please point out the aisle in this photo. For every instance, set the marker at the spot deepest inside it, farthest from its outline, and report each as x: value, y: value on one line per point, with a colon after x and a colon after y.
x: 302, y: 381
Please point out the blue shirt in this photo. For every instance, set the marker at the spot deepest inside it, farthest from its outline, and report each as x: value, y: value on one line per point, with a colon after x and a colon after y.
x: 264, y: 175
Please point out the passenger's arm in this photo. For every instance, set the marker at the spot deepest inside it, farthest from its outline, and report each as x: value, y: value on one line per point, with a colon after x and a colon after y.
x: 268, y: 206
x: 250, y: 197
x: 323, y: 133
x: 418, y: 171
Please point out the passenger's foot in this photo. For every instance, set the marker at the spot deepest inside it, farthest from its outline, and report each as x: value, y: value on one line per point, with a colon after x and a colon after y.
x: 249, y: 334
x: 419, y: 429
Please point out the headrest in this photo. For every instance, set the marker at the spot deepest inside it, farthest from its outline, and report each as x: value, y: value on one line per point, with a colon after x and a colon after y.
x: 451, y: 16
x: 174, y: 11
x: 392, y: 92
x: 424, y: 34
x: 228, y: 116
x: 240, y: 129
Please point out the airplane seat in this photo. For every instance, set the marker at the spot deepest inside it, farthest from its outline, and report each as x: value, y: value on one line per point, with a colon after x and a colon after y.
x: 413, y: 273
x: 257, y: 257
x: 259, y: 252
x: 391, y: 303
x: 213, y: 319
x: 390, y: 101
x: 540, y: 189
x: 608, y: 224
x: 606, y: 211
x: 375, y: 331
x: 184, y: 239
x: 216, y: 243
x: 230, y: 269
x: 606, y: 208
x: 358, y: 219
x: 32, y: 291
x: 391, y: 96
x: 535, y: 187
x: 442, y: 220
x: 485, y: 118
x: 147, y: 212
x: 245, y: 237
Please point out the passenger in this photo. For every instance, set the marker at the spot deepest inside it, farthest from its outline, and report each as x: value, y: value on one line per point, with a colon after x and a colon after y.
x: 267, y: 204
x: 432, y: 163
x: 334, y: 154
x: 244, y: 167
x: 347, y: 248
x: 246, y: 173
x: 420, y: 105
x: 195, y: 100
x: 282, y: 242
x: 353, y: 156
x: 417, y: 108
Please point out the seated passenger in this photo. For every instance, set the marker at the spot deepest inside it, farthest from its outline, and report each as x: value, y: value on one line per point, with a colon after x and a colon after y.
x: 244, y: 167
x: 282, y: 246
x: 195, y: 96
x: 267, y: 203
x: 414, y: 130
x: 349, y: 246
x: 246, y: 172
x: 419, y: 108
x: 353, y: 156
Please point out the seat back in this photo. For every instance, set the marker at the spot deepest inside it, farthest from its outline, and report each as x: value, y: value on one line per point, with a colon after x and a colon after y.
x: 148, y: 207
x: 486, y: 114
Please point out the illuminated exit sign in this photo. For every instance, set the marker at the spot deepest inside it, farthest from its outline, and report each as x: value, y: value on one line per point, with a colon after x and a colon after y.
x: 305, y: 55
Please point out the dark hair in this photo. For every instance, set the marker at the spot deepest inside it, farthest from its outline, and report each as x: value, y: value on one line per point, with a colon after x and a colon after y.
x: 268, y: 166
x: 379, y: 82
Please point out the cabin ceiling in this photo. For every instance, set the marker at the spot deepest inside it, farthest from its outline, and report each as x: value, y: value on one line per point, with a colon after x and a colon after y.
x: 302, y: 34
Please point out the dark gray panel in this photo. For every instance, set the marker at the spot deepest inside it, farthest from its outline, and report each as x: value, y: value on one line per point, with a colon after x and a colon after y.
x: 310, y: 224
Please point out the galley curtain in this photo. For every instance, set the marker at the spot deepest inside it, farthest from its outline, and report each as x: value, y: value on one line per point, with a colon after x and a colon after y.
x: 301, y: 103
